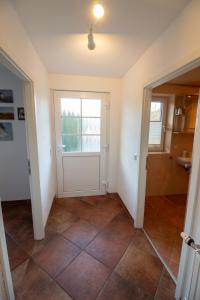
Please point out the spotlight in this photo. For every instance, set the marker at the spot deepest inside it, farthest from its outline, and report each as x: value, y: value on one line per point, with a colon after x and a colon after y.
x: 98, y: 11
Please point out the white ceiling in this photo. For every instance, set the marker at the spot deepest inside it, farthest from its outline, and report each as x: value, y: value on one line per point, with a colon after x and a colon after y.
x: 58, y: 30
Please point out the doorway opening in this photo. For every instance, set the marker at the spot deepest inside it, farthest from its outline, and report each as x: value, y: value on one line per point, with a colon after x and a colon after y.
x: 172, y: 121
x: 18, y: 132
x: 14, y: 161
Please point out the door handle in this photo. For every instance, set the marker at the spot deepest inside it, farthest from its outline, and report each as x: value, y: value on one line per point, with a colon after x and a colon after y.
x: 60, y: 148
x: 190, y: 242
x: 106, y: 147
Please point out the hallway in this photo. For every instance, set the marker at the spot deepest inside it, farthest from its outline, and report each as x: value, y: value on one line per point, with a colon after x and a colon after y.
x: 91, y: 251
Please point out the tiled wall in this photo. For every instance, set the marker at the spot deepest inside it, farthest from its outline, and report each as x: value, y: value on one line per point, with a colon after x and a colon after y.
x: 165, y: 176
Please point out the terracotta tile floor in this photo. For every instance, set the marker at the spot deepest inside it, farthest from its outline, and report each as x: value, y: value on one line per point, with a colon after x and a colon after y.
x: 91, y: 251
x: 163, y: 222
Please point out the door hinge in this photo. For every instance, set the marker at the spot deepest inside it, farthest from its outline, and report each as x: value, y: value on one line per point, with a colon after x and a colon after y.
x: 147, y: 159
x: 29, y: 167
x: 105, y: 183
x: 107, y: 105
x: 106, y: 147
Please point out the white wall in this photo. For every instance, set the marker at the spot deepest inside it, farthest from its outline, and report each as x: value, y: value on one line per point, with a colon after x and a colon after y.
x: 98, y: 84
x: 14, y: 177
x: 177, y: 46
x: 14, y: 41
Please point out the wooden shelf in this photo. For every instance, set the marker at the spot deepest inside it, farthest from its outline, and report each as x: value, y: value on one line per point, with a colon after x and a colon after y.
x: 189, y: 131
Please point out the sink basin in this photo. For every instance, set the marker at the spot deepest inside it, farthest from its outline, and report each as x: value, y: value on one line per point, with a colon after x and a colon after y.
x: 185, y: 162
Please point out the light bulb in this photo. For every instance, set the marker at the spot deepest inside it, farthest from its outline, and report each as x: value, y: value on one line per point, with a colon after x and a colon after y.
x: 98, y: 11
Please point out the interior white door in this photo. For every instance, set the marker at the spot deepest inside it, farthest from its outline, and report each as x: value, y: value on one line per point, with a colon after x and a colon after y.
x: 81, y: 143
x: 188, y: 284
x: 194, y: 293
x: 191, y: 289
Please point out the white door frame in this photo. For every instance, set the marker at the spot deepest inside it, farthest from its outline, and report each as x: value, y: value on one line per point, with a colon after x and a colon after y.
x: 6, y: 285
x: 104, y: 142
x: 183, y: 281
x: 32, y: 148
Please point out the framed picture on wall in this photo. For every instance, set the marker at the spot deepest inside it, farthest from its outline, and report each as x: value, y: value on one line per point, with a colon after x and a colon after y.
x: 7, y: 113
x: 21, y: 113
x: 6, y: 131
x: 6, y: 96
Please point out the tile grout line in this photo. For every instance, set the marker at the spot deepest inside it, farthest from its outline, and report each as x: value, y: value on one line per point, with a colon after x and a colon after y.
x: 106, y: 281
x: 88, y: 242
x: 113, y: 270
x: 30, y: 258
x: 159, y: 283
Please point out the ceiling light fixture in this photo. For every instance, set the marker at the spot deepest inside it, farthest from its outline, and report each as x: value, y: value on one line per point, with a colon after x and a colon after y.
x: 98, y: 13
x: 91, y: 43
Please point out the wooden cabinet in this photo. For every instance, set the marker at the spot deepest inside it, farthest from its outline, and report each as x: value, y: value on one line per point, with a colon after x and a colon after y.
x: 190, y: 113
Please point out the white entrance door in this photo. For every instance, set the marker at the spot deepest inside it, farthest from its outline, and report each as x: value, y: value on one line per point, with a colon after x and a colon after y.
x: 81, y: 143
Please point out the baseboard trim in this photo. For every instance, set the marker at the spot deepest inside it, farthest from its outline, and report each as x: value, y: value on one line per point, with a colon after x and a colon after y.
x: 15, y: 202
x: 126, y: 210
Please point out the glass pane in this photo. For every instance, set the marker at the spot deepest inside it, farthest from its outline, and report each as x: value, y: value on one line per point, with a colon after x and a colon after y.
x: 91, y: 144
x: 91, y: 108
x: 156, y: 111
x: 155, y: 131
x: 71, y: 125
x: 91, y: 125
x: 70, y: 107
x: 72, y: 143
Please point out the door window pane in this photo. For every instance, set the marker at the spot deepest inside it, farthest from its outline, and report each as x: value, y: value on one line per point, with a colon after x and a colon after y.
x: 91, y: 125
x: 72, y: 143
x: 70, y: 107
x: 71, y: 125
x: 91, y: 108
x: 91, y: 143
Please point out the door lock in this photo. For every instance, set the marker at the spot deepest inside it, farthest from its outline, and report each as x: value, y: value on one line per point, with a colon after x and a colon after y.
x: 29, y: 167
x: 190, y: 242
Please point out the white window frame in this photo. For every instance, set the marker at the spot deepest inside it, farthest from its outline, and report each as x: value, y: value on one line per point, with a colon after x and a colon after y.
x: 160, y: 147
